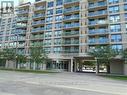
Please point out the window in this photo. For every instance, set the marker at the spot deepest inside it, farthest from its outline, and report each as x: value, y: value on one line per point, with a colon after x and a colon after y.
x: 49, y: 19
x: 125, y: 7
x: 115, y: 28
x: 58, y: 25
x: 50, y: 12
x: 114, y: 18
x: 58, y: 10
x: 113, y: 1
x: 118, y: 47
x: 58, y: 18
x: 50, y: 4
x: 48, y: 26
x: 113, y: 9
x: 57, y: 33
x: 59, y: 2
x: 116, y: 38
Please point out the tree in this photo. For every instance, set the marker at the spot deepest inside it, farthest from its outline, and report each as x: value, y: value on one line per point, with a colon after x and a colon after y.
x: 20, y: 59
x: 8, y: 54
x: 38, y: 56
x: 103, y: 55
x: 124, y: 55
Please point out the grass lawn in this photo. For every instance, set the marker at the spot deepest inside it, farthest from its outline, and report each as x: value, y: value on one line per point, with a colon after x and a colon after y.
x: 116, y: 77
x: 30, y: 71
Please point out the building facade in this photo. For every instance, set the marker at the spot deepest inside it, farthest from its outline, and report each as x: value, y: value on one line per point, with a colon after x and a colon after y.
x: 70, y: 28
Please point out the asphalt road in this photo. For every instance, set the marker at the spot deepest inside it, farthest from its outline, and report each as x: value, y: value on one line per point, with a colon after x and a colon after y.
x: 16, y: 83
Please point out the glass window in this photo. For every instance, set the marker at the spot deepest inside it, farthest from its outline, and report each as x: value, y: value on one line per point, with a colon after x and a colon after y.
x: 125, y: 7
x: 113, y: 1
x: 116, y: 38
x: 50, y: 4
x: 118, y: 47
x: 50, y: 12
x: 114, y: 18
x: 115, y: 28
x: 58, y: 25
x: 114, y: 9
x: 58, y: 10
x: 48, y: 26
x: 49, y: 19
x: 59, y: 2
x: 58, y: 18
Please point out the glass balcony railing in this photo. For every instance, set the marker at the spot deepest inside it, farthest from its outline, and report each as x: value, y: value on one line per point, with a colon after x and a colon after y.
x: 71, y: 17
x: 38, y: 29
x: 71, y: 33
x: 71, y: 51
x: 39, y: 15
x: 38, y: 22
x: 22, y: 19
x: 71, y: 9
x: 37, y: 37
x: 70, y: 1
x: 21, y: 25
x: 97, y: 13
x: 98, y: 22
x: 98, y: 41
x: 23, y: 12
x: 40, y: 8
x: 69, y: 42
x: 20, y: 31
x: 97, y: 5
x: 98, y: 31
x: 37, y: 44
x: 73, y: 25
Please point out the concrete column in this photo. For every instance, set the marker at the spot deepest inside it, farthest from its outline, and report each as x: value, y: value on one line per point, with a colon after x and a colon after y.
x: 75, y: 66
x: 34, y: 66
x: 125, y: 69
x: 97, y: 67
x: 71, y: 65
x: 43, y: 66
x: 6, y: 65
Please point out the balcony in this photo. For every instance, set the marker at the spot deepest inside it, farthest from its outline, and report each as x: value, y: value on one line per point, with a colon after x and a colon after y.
x: 20, y: 31
x: 69, y: 42
x: 38, y: 22
x: 71, y: 17
x: 73, y: 25
x: 71, y: 51
x: 22, y: 12
x: 40, y: 8
x: 71, y: 33
x: 21, y: 38
x: 22, y: 19
x: 37, y: 30
x: 97, y: 22
x: 38, y: 16
x: 36, y: 44
x: 99, y: 41
x: 70, y: 1
x: 99, y: 13
x: 98, y: 31
x: 95, y: 5
x: 37, y: 37
x: 21, y: 26
x: 70, y: 10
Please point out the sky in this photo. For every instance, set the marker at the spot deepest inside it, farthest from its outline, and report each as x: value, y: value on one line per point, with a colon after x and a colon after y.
x: 17, y: 1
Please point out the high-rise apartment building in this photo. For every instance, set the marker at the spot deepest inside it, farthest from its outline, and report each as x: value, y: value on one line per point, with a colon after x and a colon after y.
x: 67, y: 29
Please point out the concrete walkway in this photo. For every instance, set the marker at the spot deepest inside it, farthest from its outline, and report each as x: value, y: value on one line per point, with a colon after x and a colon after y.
x: 16, y: 83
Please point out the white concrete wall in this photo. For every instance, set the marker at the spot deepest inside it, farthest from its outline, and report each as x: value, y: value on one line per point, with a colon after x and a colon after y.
x: 116, y: 68
x: 125, y: 69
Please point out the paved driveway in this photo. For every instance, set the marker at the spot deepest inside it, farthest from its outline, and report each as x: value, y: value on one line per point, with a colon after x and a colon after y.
x: 16, y: 83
